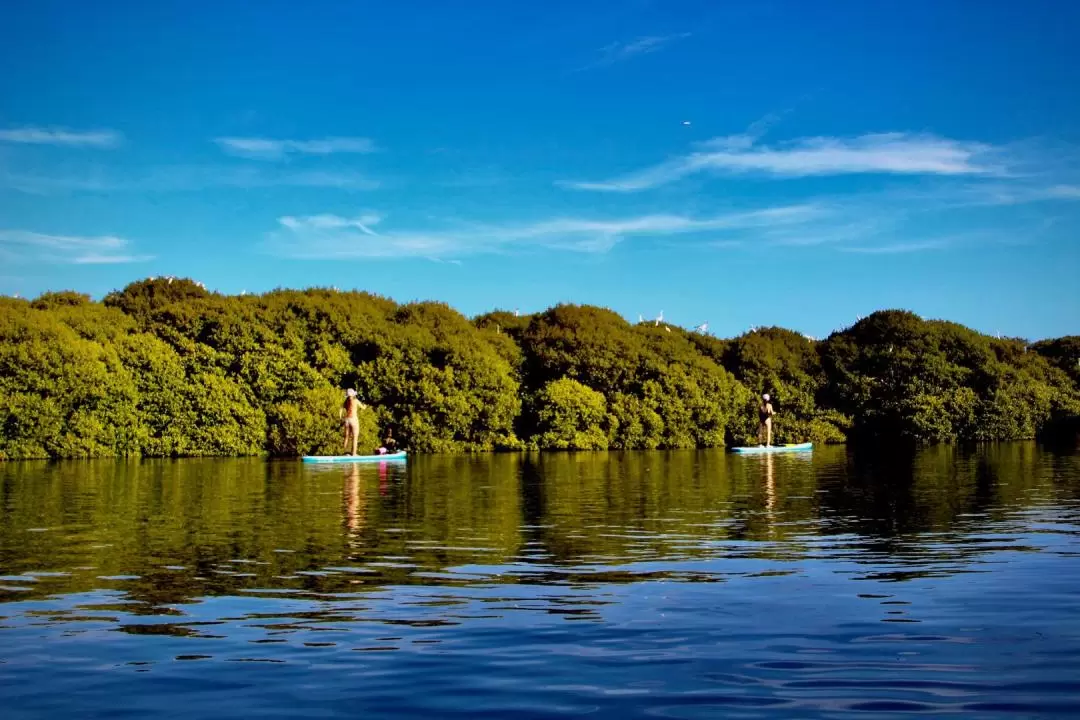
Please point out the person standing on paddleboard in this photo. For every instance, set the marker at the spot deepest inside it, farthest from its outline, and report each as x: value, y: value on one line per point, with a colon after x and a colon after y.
x: 352, y: 421
x: 765, y: 416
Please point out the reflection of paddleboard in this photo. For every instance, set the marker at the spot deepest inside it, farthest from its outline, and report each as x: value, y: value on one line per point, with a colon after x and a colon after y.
x: 353, y: 458
x: 800, y: 447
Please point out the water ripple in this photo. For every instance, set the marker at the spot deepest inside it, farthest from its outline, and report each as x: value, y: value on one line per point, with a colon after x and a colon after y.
x: 706, y: 587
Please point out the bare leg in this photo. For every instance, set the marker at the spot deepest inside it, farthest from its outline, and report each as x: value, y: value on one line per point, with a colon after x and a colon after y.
x: 354, y: 439
x: 345, y: 447
x: 768, y: 433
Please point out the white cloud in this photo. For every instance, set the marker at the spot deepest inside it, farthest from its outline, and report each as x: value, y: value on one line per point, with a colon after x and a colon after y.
x: 831, y: 231
x: 95, y: 259
x: 853, y: 228
x: 1036, y: 193
x: 331, y: 236
x: 888, y: 153
x: 270, y: 149
x: 1065, y: 192
x: 744, y: 140
x: 198, y: 178
x: 621, y: 51
x: 59, y: 136
x: 952, y: 196
x: 362, y: 223
x: 184, y: 178
x: 67, y: 249
x: 900, y: 247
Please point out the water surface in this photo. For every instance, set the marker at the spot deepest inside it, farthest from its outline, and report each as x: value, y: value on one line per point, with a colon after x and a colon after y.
x: 679, y: 585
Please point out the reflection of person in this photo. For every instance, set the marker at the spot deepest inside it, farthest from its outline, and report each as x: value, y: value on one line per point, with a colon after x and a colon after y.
x: 765, y: 416
x: 354, y: 500
x: 352, y: 421
x: 770, y: 484
x: 770, y: 496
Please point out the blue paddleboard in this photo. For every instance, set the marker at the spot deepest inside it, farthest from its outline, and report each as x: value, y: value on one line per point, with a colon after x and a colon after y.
x: 755, y: 449
x: 353, y: 458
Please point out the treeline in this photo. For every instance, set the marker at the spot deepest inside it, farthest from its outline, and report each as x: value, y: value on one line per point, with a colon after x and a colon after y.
x: 166, y: 368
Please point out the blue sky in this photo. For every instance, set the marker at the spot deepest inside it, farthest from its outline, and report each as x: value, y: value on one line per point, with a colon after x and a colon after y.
x: 740, y: 164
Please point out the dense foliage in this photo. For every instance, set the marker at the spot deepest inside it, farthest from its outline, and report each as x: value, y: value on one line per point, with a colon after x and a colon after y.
x: 166, y: 368
x: 900, y: 376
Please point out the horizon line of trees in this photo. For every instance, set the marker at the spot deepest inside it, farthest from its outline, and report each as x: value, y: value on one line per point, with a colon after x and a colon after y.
x: 165, y: 368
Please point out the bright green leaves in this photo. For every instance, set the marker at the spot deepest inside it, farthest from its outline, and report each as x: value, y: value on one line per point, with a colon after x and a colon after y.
x: 164, y: 368
x: 571, y: 416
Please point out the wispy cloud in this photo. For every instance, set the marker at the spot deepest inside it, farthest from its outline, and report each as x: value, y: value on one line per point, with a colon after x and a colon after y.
x: 853, y: 228
x: 900, y: 247
x: 271, y: 149
x: 1065, y: 192
x: 887, y: 153
x: 838, y: 227
x: 332, y: 236
x: 23, y: 245
x: 249, y: 177
x: 618, y: 52
x: 744, y: 140
x: 60, y: 136
x: 183, y: 178
x: 1019, y: 194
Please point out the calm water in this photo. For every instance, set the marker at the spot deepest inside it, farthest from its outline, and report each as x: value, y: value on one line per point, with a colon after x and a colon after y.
x: 676, y: 585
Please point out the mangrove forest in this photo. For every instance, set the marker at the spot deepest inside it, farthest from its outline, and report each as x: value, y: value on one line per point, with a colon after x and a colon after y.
x: 166, y: 368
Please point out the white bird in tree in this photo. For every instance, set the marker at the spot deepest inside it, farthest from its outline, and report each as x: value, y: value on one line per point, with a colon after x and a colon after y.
x: 640, y: 318
x: 659, y: 319
x: 702, y: 328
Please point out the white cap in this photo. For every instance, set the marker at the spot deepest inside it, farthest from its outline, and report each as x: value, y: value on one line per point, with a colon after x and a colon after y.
x: 350, y: 392
x: 765, y: 396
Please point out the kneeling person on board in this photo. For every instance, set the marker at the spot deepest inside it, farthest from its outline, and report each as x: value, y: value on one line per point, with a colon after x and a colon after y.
x: 765, y: 413
x: 352, y: 421
x: 389, y: 444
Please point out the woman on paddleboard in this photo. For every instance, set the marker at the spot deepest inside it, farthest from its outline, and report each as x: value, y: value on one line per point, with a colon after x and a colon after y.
x: 765, y: 415
x: 349, y: 412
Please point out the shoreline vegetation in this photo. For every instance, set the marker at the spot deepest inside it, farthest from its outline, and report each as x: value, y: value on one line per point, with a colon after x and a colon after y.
x: 165, y: 368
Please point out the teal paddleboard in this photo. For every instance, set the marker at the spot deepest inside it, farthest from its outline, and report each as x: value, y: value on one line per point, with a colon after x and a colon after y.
x: 755, y: 449
x: 353, y: 458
